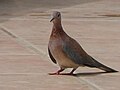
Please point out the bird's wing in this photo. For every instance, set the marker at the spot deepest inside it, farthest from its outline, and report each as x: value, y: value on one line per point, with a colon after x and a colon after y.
x: 52, y: 58
x: 71, y: 53
x: 76, y: 54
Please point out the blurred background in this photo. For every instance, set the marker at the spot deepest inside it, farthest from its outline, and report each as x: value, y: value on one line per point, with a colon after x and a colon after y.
x: 12, y: 8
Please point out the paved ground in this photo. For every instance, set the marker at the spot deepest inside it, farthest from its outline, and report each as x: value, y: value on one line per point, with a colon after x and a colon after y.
x: 24, y: 61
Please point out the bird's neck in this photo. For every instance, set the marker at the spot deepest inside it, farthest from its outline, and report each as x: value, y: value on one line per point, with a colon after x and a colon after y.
x: 57, y: 29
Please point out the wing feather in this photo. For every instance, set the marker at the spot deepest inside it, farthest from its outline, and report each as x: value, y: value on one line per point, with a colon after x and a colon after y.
x: 72, y: 54
x: 51, y: 57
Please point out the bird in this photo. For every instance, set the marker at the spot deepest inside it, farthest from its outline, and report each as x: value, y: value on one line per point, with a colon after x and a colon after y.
x: 66, y: 52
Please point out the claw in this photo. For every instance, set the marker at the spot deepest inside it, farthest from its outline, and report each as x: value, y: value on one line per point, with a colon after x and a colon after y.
x: 54, y: 73
x: 71, y: 74
x: 57, y: 73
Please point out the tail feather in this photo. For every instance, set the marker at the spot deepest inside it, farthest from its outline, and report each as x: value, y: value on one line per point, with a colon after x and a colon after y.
x: 107, y: 69
x: 103, y: 67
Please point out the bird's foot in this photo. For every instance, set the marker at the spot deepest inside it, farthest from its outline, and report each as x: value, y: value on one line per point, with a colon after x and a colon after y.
x: 58, y: 72
x: 71, y: 74
x: 54, y: 73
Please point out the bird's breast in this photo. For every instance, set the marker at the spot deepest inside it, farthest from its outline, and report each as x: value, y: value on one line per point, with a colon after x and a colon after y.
x: 55, y: 44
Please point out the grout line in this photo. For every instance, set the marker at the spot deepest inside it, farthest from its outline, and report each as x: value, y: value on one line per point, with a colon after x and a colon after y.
x: 10, y: 34
x: 96, y: 87
x: 24, y: 42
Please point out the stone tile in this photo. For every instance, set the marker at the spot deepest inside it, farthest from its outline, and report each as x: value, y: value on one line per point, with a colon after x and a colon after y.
x: 9, y: 46
x: 39, y: 82
x: 24, y: 64
x: 106, y: 81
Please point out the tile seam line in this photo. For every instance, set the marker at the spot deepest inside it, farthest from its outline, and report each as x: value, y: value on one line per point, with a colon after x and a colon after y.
x: 94, y: 86
x: 23, y: 42
x: 27, y: 44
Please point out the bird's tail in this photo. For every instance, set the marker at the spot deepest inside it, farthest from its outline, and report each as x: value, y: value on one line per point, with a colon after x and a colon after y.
x: 103, y: 67
x: 107, y: 69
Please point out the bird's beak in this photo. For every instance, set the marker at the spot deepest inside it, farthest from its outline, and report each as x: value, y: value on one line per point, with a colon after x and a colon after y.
x: 52, y: 19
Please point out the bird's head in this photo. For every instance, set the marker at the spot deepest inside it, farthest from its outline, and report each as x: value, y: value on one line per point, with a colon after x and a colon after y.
x: 56, y: 16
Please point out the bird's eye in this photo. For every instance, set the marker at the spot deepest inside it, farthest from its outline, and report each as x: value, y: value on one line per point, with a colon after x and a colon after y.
x: 58, y: 15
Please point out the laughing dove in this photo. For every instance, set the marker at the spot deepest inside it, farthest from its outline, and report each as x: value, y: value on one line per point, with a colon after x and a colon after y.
x: 67, y: 52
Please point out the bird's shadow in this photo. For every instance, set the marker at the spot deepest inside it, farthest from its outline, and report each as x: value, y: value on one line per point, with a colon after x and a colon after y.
x: 89, y: 74
x: 83, y: 74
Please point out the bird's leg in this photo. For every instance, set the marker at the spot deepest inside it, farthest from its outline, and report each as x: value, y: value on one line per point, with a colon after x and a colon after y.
x: 71, y: 73
x: 58, y: 72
